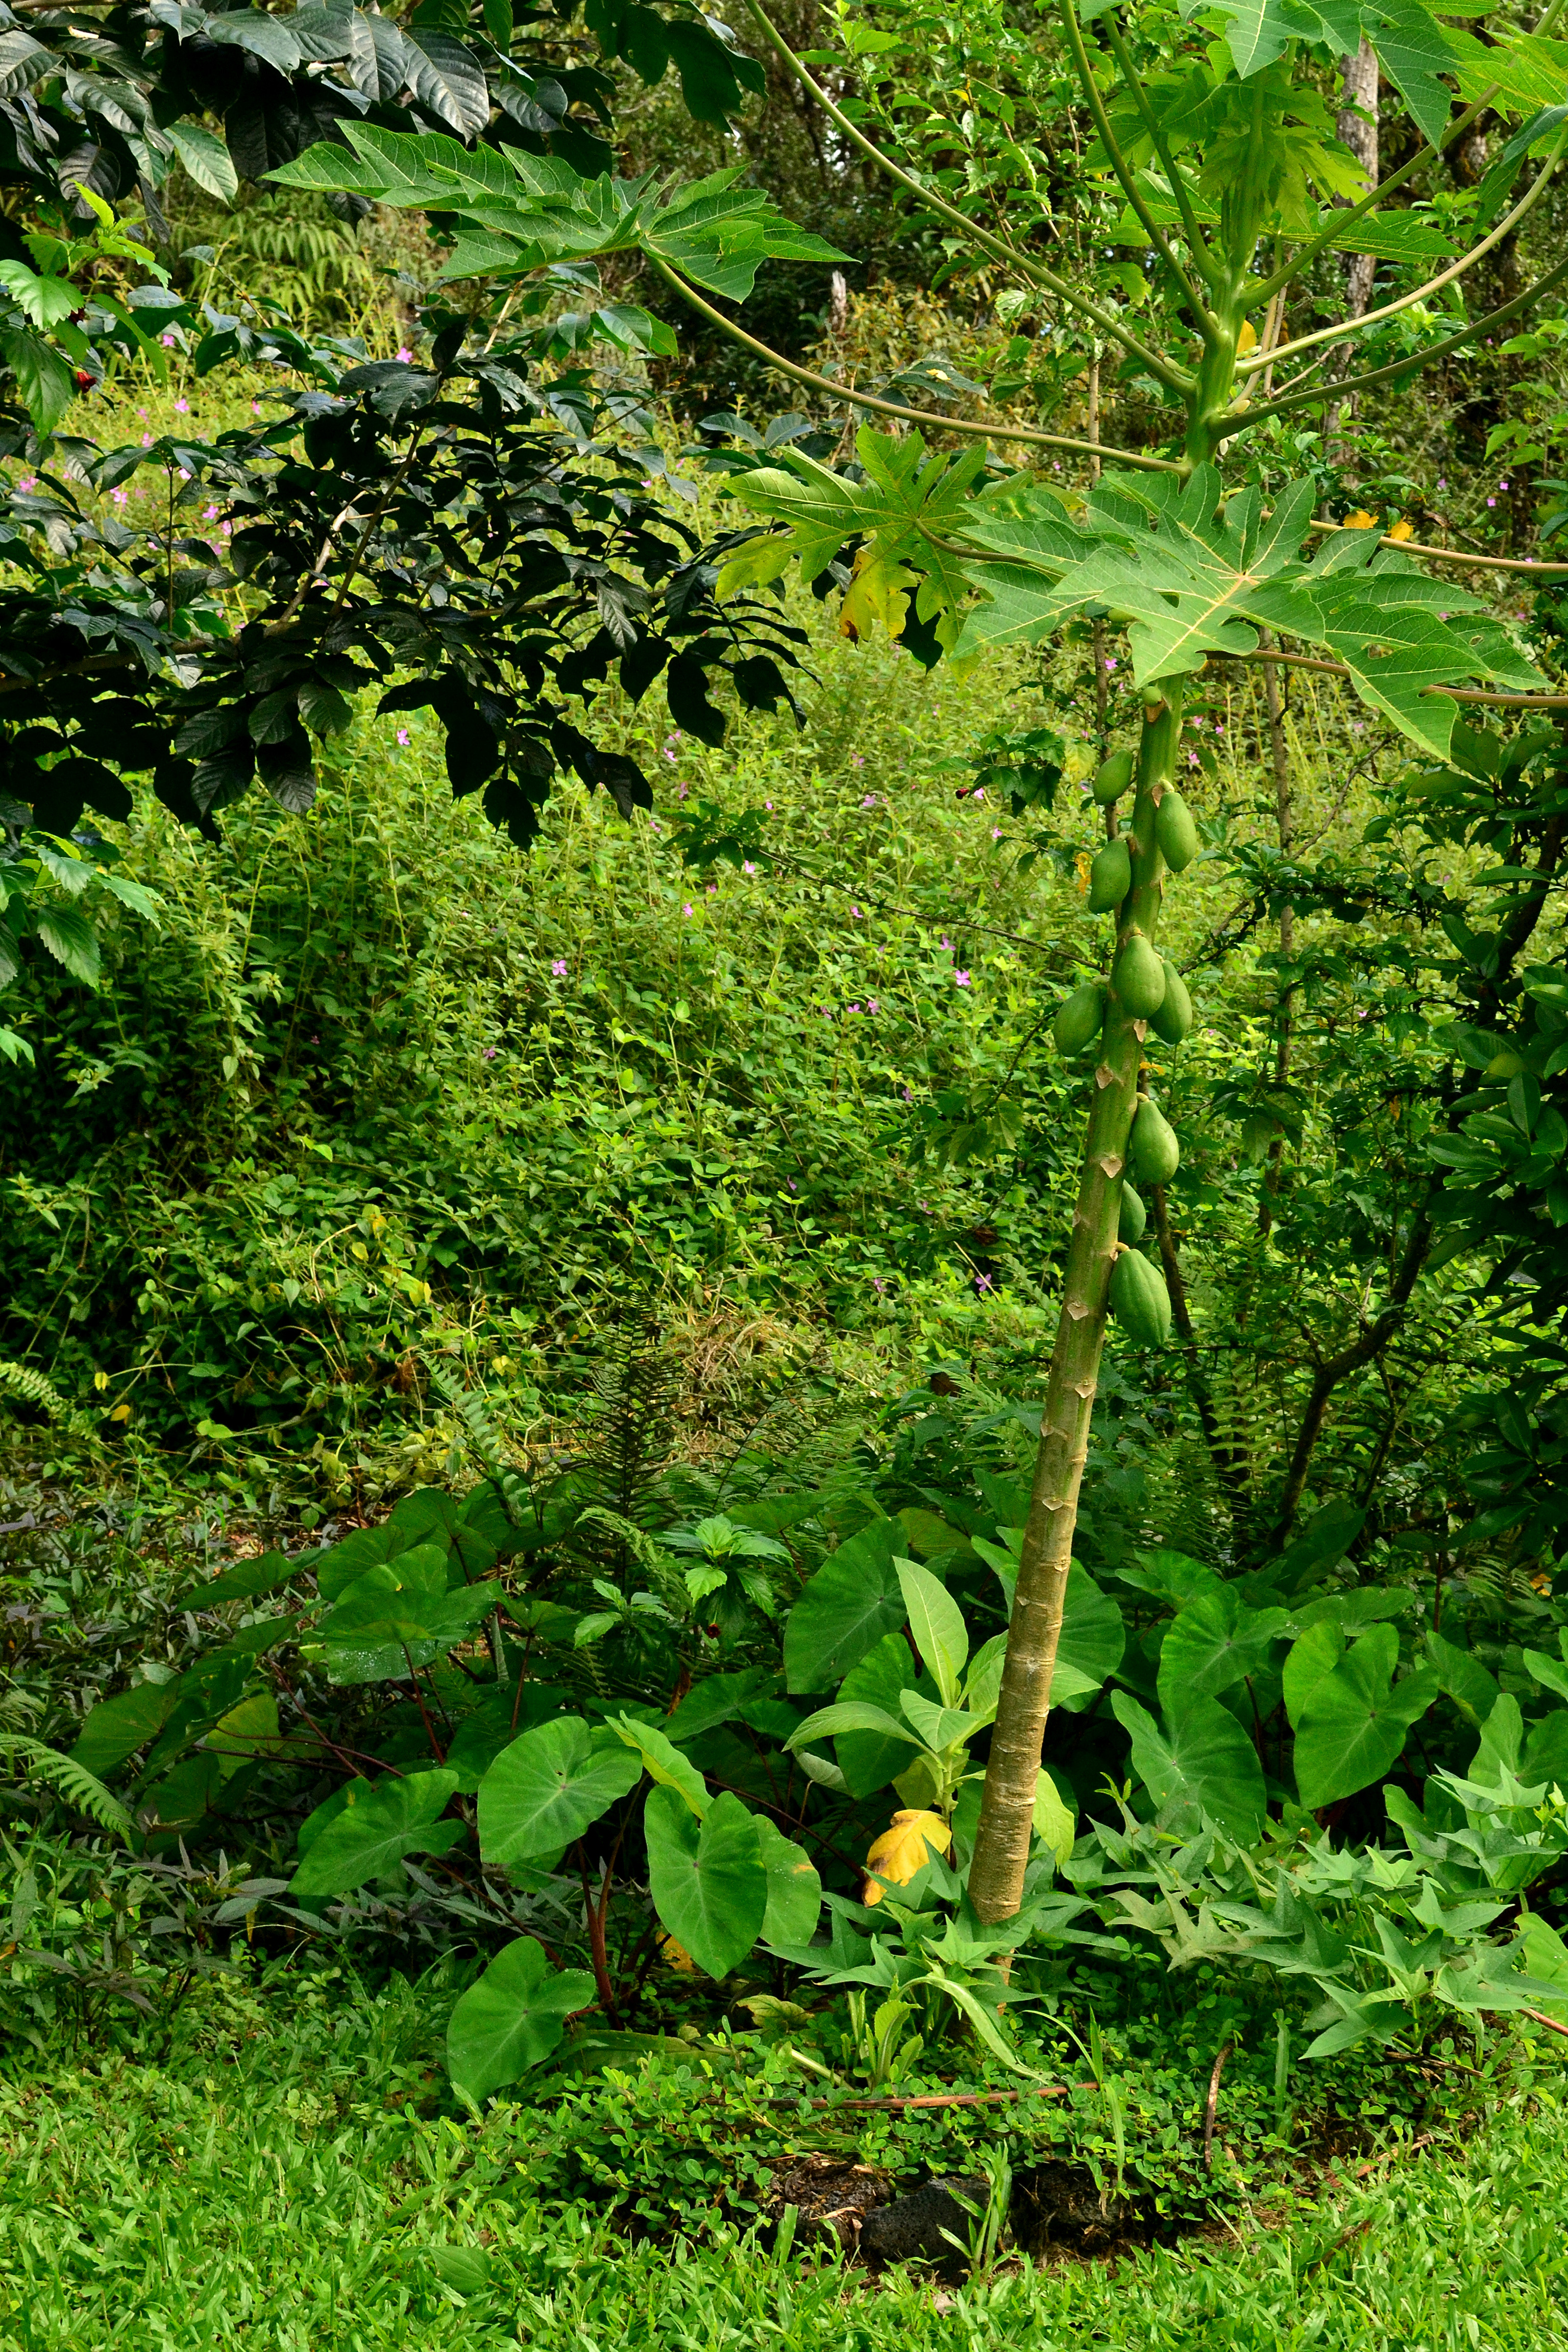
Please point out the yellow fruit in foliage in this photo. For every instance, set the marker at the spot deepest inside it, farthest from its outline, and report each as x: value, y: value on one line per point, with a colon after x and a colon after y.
x: 904, y: 1848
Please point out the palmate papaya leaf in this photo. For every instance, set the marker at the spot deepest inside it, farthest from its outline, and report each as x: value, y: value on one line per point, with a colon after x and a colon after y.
x: 1414, y: 48
x: 1190, y: 579
x: 518, y: 213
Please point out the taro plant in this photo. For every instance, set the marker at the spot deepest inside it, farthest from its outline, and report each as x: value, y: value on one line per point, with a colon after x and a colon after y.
x: 1210, y: 150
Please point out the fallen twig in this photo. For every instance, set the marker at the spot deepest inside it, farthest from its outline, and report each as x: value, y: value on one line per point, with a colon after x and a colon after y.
x: 1213, y: 2105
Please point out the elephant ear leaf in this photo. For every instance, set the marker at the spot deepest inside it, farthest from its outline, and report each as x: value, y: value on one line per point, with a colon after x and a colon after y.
x: 511, y: 2019
x: 852, y: 1601
x: 708, y: 1879
x: 1352, y: 1721
x: 1204, y: 1760
x: 380, y: 1823
x: 547, y: 1787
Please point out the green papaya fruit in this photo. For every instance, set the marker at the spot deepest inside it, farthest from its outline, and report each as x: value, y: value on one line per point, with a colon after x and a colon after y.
x: 1139, y: 1300
x: 1138, y: 976
x: 1078, y: 1023
x: 1133, y: 1218
x: 1110, y: 877
x: 1173, y: 1018
x: 1504, y: 1066
x: 1115, y: 775
x: 1155, y: 1154
x: 1176, y: 831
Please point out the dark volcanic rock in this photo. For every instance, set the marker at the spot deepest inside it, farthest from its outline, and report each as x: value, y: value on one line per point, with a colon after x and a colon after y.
x: 914, y: 2226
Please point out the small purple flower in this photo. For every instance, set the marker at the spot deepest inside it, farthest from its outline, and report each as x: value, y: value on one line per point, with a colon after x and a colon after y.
x: 1491, y: 502
x: 877, y: 1285
x: 1194, y: 760
x: 686, y: 911
x: 559, y: 967
x: 146, y: 440
x: 995, y: 833
x: 209, y: 514
x: 181, y: 407
x: 681, y: 795
x: 793, y: 1185
x: 961, y: 978
x: 767, y: 804
x: 713, y: 887
x: 119, y: 497
x: 490, y: 1052
x: 855, y: 911
x: 983, y: 1282
x: 909, y: 1096
x: 1110, y: 662
x: 947, y: 944
x: 978, y: 794
x: 747, y: 866
x: 403, y: 737
x: 870, y: 800
x: 857, y: 759
x: 873, y: 1004
x: 854, y: 1008
x: 1502, y: 486
x: 167, y: 341
x: 404, y: 354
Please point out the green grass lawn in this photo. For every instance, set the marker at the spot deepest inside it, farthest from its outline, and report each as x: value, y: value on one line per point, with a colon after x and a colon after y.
x: 295, y: 2192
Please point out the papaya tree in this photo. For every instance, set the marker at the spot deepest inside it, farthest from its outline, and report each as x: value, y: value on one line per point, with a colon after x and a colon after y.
x: 1209, y: 148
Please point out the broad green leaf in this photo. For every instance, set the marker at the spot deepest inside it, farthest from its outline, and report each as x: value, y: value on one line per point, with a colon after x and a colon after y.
x: 708, y: 1879
x: 936, y: 1621
x: 1500, y: 1748
x: 511, y: 2019
x: 854, y: 1715
x: 547, y: 1787
x: 1463, y: 1678
x: 347, y: 1561
x: 1550, y: 1672
x: 1546, y: 1752
x: 854, y: 1599
x: 249, y: 1582
x: 939, y: 1727
x: 1093, y: 1638
x: 1353, y: 1722
x: 1206, y: 1759
x: 206, y: 159
x: 246, y: 1731
x: 662, y: 1762
x: 117, y: 1728
x: 1312, y: 1660
x: 1170, y: 1576
x: 870, y: 1760
x: 374, y: 1830
x: 1056, y: 1824
x: 1214, y: 1643
x: 718, y: 1698
x: 397, y: 1615
x: 46, y: 387
x: 794, y: 1890
x: 983, y: 1683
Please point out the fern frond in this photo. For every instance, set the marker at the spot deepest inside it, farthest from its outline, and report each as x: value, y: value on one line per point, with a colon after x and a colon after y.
x: 79, y: 1787
x: 484, y: 1437
x: 22, y: 1381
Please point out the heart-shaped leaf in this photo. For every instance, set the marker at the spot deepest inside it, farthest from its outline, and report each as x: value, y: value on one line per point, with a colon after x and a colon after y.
x: 547, y: 1787
x: 708, y: 1879
x: 380, y: 1821
x: 513, y: 2017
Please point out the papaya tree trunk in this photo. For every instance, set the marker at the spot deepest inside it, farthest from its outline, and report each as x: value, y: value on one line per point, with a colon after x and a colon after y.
x: 1012, y: 1774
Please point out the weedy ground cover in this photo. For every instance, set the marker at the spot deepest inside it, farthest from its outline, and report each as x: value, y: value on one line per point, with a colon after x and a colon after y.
x: 234, y: 2184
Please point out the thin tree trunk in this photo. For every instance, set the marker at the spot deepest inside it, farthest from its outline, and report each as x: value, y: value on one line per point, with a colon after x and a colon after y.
x: 1226, y: 1467
x: 1012, y: 1775
x: 1284, y: 819
x: 1356, y: 129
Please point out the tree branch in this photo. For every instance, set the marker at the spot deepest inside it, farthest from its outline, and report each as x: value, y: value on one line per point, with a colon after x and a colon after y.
x: 1105, y: 319
x: 1292, y: 399
x: 1119, y: 164
x: 894, y: 408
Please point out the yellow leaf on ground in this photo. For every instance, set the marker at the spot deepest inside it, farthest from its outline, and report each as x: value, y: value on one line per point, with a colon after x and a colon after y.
x: 905, y: 1847
x: 675, y: 1955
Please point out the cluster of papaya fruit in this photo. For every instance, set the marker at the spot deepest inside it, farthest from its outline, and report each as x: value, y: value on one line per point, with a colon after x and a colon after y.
x: 1148, y: 988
